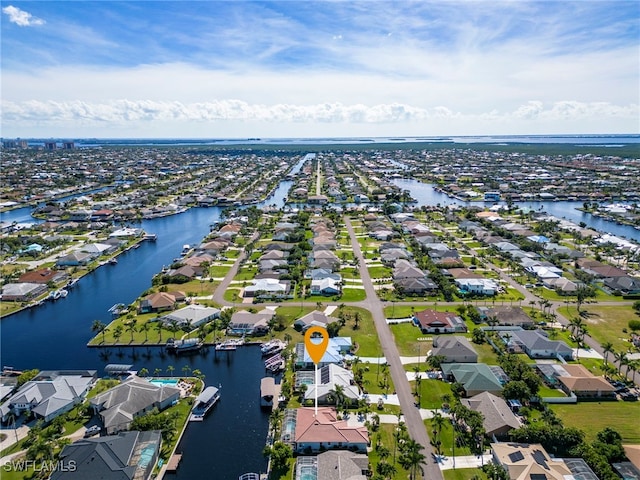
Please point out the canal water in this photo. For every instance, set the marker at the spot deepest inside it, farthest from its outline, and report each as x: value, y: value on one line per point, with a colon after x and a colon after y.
x: 54, y: 335
x: 425, y: 194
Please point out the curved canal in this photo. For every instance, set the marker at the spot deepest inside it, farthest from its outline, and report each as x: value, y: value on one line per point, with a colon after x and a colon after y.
x: 54, y: 335
x: 425, y: 194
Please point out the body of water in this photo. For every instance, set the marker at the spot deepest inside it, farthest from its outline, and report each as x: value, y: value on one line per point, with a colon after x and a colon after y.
x: 425, y: 194
x: 54, y: 336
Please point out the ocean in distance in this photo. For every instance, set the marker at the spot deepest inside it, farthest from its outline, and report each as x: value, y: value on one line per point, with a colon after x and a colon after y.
x: 613, y: 141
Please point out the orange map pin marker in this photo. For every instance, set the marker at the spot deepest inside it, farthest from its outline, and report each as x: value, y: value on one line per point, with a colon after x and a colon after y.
x: 316, y: 350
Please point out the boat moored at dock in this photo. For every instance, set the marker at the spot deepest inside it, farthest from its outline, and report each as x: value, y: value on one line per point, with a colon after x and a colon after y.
x: 203, y: 403
x: 183, y: 346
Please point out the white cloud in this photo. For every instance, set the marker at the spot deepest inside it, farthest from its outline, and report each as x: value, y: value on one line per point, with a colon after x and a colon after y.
x: 123, y: 112
x: 22, y: 18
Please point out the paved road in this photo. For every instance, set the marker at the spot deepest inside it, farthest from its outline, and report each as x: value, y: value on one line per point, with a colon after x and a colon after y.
x: 414, y: 422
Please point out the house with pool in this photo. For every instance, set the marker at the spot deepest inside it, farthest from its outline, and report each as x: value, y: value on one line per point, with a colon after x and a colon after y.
x: 136, y: 396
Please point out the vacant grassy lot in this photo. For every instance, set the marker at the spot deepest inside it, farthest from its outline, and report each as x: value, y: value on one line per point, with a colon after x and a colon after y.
x: 406, y: 337
x: 464, y: 474
x: 352, y: 295
x: 379, y: 272
x: 591, y: 417
x: 605, y: 323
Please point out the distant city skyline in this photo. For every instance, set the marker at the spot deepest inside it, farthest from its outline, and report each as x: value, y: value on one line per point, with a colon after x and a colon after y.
x: 222, y: 69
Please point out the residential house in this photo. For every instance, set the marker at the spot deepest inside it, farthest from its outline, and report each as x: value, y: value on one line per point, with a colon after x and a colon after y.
x: 315, y: 318
x: 268, y: 288
x: 528, y: 461
x: 432, y: 321
x: 50, y: 394
x: 186, y: 271
x: 22, y: 292
x: 415, y: 286
x: 135, y: 396
x: 625, y: 284
x: 334, y: 465
x: 477, y: 286
x: 536, y: 344
x: 191, y: 316
x: 578, y: 380
x: 474, y: 377
x: 324, y: 385
x: 506, y: 315
x: 497, y: 418
x: 113, y: 457
x: 454, y: 349
x: 75, y: 259
x: 404, y: 269
x: 326, y: 286
x: 337, y: 349
x: 43, y: 276
x: 244, y: 322
x: 160, y: 302
x: 308, y: 432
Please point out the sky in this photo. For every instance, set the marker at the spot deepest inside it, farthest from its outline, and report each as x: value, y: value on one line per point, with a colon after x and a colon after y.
x: 280, y: 69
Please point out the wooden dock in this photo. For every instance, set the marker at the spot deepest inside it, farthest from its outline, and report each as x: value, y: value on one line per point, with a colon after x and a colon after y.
x: 174, y: 462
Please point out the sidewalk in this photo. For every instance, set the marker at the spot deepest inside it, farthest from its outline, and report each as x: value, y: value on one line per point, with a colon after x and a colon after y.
x: 467, y: 461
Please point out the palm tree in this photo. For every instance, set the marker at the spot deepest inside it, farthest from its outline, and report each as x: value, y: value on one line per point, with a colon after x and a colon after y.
x: 607, y: 348
x: 157, y: 372
x: 130, y: 327
x: 99, y: 327
x: 159, y: 328
x: 143, y: 372
x: 337, y: 392
x: 186, y: 370
x: 437, y: 422
x: 117, y: 333
x: 170, y: 370
x: 145, y: 328
x: 412, y: 458
x: 621, y: 358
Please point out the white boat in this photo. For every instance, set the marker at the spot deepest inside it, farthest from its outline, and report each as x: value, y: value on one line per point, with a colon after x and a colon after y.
x: 113, y: 261
x: 55, y: 295
x: 185, y: 249
x: 203, y: 403
x: 272, y: 347
x: 63, y: 293
x: 183, y: 346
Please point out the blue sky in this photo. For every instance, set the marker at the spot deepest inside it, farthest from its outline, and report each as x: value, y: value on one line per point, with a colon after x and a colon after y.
x: 312, y: 69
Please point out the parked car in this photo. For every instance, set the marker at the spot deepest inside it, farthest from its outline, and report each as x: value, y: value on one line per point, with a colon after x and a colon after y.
x: 92, y: 430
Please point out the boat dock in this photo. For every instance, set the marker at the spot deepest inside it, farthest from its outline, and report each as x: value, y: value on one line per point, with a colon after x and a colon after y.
x: 174, y: 462
x: 203, y: 403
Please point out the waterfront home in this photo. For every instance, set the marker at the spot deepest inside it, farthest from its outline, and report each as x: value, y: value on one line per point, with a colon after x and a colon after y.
x: 315, y: 318
x: 307, y: 432
x: 536, y: 344
x: 49, y: 394
x: 335, y: 353
x: 334, y: 465
x: 135, y: 396
x: 126, y: 456
x: 523, y: 460
x: 244, y: 322
x: 323, y: 387
x: 192, y: 316
x: 160, y: 302
x: 474, y: 377
x: 22, y: 292
x: 454, y: 349
x: 497, y: 418
x: 75, y: 259
x: 432, y: 321
x: 43, y: 276
x: 186, y: 271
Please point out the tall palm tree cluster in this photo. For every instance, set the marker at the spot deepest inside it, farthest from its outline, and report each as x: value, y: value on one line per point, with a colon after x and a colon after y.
x: 407, y: 453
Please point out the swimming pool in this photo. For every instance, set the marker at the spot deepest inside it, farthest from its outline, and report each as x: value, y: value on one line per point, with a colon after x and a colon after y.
x: 165, y: 381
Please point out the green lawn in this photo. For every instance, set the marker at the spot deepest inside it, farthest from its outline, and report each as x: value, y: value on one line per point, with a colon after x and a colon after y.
x: 406, y: 337
x: 463, y: 474
x: 232, y: 295
x: 379, y: 272
x: 352, y: 294
x: 605, y: 323
x: 591, y: 417
x: 219, y: 271
x: 446, y: 437
x: 431, y: 392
